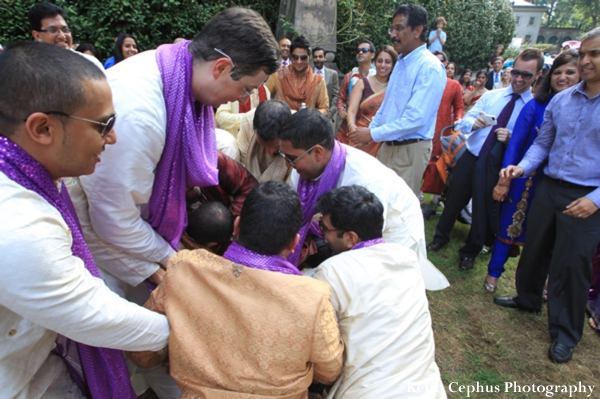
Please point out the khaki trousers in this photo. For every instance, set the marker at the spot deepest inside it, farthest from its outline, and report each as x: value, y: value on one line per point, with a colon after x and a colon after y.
x: 408, y: 161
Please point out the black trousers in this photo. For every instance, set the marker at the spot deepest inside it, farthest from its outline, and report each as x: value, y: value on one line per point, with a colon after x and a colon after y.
x: 566, y: 245
x: 461, y: 189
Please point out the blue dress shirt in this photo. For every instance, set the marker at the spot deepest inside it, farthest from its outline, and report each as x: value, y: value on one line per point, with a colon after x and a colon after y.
x: 491, y: 103
x: 412, y: 98
x: 570, y: 140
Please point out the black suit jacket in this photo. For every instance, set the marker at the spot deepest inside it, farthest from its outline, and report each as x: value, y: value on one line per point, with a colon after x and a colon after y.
x: 490, y: 80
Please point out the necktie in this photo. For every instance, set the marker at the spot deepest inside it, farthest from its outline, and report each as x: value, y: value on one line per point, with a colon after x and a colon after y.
x: 502, y: 122
x: 495, y: 77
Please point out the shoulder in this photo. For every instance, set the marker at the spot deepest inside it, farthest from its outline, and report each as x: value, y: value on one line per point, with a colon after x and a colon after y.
x: 331, y: 71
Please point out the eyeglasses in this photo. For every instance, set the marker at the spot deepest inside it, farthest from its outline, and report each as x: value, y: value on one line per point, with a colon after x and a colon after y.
x: 53, y: 30
x: 293, y: 161
x: 238, y: 77
x: 324, y: 229
x: 362, y: 50
x: 297, y: 57
x: 396, y: 28
x: 107, y: 126
x: 526, y: 75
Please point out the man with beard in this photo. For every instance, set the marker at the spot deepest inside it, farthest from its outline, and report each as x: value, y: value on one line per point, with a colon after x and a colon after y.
x: 330, y: 76
x: 297, y: 84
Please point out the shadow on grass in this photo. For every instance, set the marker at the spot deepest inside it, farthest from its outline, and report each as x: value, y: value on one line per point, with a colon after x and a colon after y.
x: 479, y: 342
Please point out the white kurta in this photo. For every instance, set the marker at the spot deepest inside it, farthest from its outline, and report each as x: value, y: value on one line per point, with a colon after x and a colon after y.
x: 379, y: 297
x: 47, y: 291
x: 403, y: 219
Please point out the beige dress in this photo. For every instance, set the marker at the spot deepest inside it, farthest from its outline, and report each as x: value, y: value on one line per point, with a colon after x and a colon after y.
x: 239, y: 332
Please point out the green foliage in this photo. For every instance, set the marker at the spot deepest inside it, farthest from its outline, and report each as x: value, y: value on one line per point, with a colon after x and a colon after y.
x: 581, y: 14
x: 474, y: 27
x: 152, y: 22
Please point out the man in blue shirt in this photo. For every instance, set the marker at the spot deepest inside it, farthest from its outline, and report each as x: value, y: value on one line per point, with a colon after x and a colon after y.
x: 566, y: 228
x: 405, y: 121
x: 466, y: 180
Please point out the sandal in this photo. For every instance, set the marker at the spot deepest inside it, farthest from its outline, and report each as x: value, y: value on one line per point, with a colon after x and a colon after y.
x: 490, y: 287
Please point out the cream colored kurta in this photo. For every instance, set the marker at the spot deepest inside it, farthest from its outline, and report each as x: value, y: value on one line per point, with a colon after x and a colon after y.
x: 403, y: 219
x: 239, y: 332
x: 380, y: 301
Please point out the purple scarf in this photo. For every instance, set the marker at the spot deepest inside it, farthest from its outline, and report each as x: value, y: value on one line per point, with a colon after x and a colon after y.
x: 368, y: 243
x: 310, y: 191
x: 100, y: 373
x: 190, y: 154
x: 275, y: 263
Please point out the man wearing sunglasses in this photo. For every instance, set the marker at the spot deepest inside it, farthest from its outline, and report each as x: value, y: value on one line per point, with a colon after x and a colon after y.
x: 321, y: 163
x: 165, y: 100
x: 48, y: 25
x: 55, y: 123
x: 479, y: 166
x: 297, y: 84
x: 566, y: 230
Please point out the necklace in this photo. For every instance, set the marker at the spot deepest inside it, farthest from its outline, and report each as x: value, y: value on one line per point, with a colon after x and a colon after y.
x: 383, y: 84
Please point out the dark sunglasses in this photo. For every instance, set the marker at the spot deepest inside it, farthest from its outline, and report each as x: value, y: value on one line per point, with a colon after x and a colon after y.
x: 297, y: 57
x: 524, y: 74
x: 362, y: 50
x: 107, y: 126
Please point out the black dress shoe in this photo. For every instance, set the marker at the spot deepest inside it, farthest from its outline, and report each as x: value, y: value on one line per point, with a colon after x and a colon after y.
x: 466, y: 263
x: 512, y: 302
x: 435, y: 246
x: 560, y: 353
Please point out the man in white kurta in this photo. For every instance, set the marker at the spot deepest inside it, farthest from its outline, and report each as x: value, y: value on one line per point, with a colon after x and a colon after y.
x: 403, y: 217
x: 378, y: 294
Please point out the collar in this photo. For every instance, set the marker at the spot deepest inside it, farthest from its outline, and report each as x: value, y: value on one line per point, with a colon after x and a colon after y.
x: 580, y: 88
x: 413, y: 55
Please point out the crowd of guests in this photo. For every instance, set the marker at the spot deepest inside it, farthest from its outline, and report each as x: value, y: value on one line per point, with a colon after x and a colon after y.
x: 220, y: 218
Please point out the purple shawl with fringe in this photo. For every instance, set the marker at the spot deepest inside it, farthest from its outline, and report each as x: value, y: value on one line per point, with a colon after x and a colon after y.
x: 368, y: 243
x: 275, y: 263
x: 310, y: 191
x: 190, y: 154
x: 100, y: 373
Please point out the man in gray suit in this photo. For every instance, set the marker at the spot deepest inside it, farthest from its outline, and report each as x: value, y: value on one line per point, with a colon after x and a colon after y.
x: 331, y: 79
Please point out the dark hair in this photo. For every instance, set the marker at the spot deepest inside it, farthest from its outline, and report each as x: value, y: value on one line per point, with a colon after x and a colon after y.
x: 308, y: 127
x: 371, y: 45
x: 118, y: 51
x: 353, y: 208
x: 41, y: 11
x: 38, y: 77
x: 481, y: 72
x: 498, y: 46
x: 244, y: 36
x: 210, y: 222
x: 88, y: 47
x: 318, y: 48
x: 452, y: 63
x: 545, y: 90
x: 390, y: 50
x: 437, y: 52
x: 300, y: 42
x: 269, y: 119
x: 270, y: 218
x: 460, y: 80
x: 531, y: 54
x: 417, y: 16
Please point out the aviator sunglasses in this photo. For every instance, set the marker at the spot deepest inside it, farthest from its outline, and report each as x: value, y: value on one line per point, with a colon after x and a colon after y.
x: 302, y: 57
x: 524, y: 74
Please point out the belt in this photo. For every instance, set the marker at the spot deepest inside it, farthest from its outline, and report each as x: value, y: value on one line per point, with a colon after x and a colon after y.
x: 568, y: 184
x: 398, y: 143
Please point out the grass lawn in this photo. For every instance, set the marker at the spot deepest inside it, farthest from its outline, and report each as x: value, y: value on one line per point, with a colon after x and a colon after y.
x: 479, y: 342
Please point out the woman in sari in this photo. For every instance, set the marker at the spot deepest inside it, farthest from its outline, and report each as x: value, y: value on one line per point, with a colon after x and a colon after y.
x: 478, y: 90
x: 517, y: 194
x: 465, y: 81
x: 367, y: 96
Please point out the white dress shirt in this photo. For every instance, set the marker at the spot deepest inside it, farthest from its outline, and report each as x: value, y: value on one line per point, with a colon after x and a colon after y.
x: 320, y: 71
x: 46, y: 291
x: 403, y: 219
x: 118, y: 192
x: 383, y: 313
x: 492, y: 103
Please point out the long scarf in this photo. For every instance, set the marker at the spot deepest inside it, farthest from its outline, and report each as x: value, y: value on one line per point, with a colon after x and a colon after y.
x: 310, y: 191
x: 100, y: 373
x: 355, y: 77
x: 247, y: 106
x: 368, y: 243
x: 275, y: 263
x: 190, y: 154
x: 295, y: 93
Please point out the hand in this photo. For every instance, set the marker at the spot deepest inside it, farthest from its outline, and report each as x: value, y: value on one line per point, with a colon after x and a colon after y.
x: 479, y: 122
x: 503, y: 135
x: 500, y: 192
x: 360, y: 135
x: 342, y: 113
x: 283, y: 71
x: 581, y: 208
x: 512, y: 172
x: 351, y: 128
x: 158, y: 276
